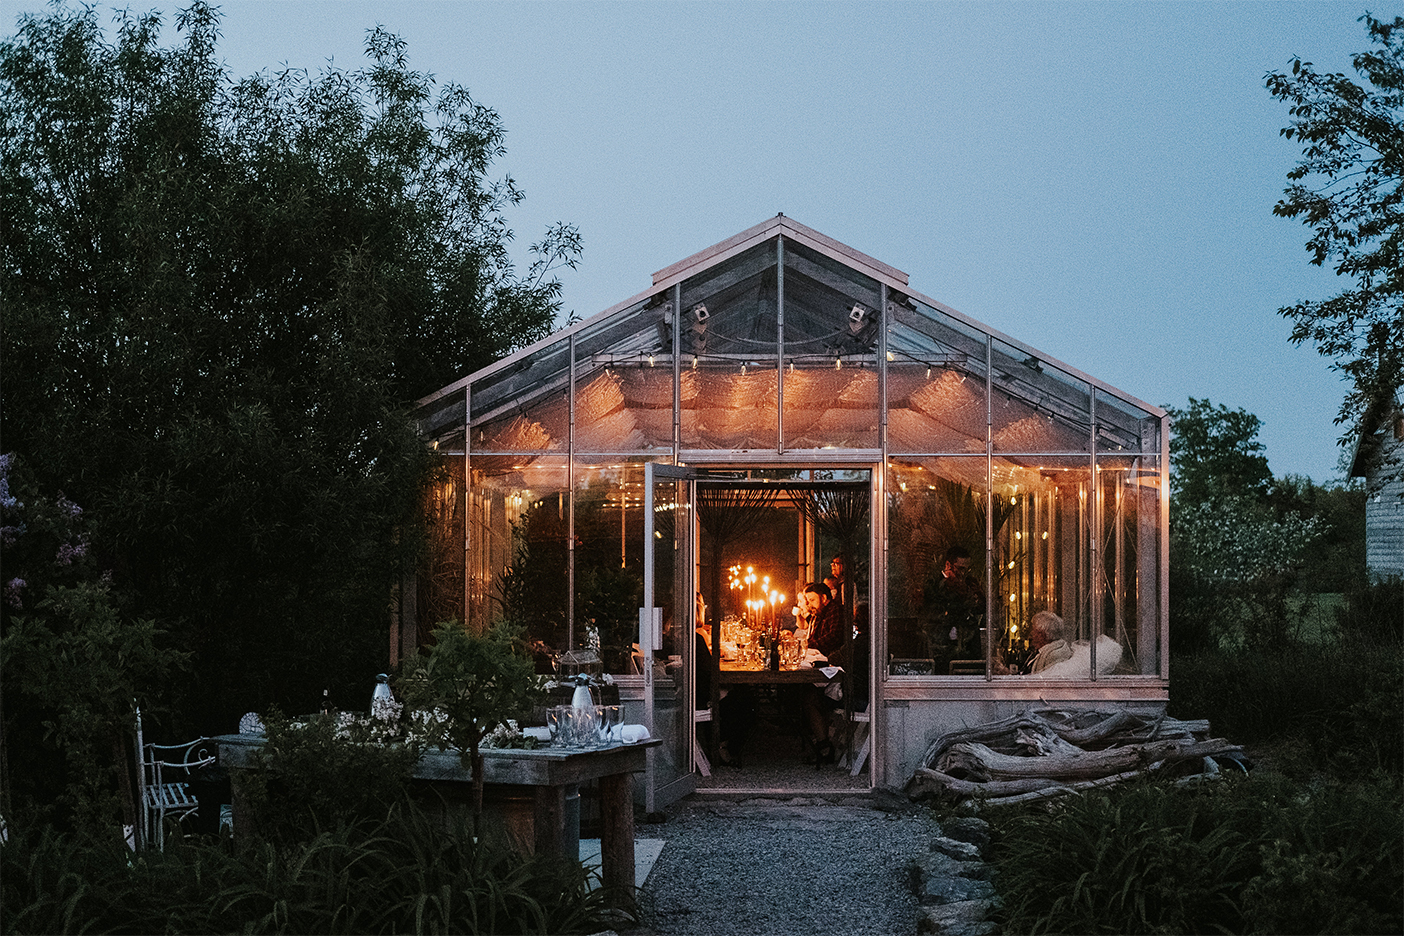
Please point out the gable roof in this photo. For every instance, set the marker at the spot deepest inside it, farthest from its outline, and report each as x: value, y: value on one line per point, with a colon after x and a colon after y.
x: 746, y: 301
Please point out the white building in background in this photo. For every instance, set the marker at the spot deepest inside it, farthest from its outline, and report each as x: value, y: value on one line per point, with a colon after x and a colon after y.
x: 1379, y: 459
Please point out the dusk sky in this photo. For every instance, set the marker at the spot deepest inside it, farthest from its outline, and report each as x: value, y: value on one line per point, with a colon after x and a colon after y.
x: 1095, y: 180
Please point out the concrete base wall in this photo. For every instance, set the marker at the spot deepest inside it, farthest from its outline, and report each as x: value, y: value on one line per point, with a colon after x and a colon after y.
x: 911, y: 725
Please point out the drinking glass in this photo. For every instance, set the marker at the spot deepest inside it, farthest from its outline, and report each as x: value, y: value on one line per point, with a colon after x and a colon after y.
x: 569, y: 727
x: 553, y: 723
x: 615, y: 716
x: 599, y: 737
x: 585, y: 726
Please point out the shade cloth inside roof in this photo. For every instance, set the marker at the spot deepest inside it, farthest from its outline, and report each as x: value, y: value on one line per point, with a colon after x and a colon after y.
x: 648, y: 387
x: 847, y: 427
x: 820, y: 388
x: 911, y: 431
x: 1020, y: 426
x: 515, y: 434
x: 602, y: 422
x: 953, y: 402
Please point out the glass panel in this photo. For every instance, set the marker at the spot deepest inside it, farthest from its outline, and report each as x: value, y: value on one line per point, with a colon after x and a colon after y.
x: 934, y: 404
x: 1040, y: 538
x: 832, y: 316
x: 1036, y: 406
x: 609, y: 559
x: 440, y: 423
x: 729, y: 406
x: 524, y: 406
x: 624, y: 382
x: 1125, y: 427
x: 674, y: 698
x: 729, y: 393
x: 518, y: 530
x: 936, y: 512
x: 1129, y: 550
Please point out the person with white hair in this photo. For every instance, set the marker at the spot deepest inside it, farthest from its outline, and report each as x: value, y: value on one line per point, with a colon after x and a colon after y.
x: 1048, y: 635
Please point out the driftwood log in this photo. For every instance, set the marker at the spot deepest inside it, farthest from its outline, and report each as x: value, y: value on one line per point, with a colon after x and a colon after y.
x: 1047, y: 753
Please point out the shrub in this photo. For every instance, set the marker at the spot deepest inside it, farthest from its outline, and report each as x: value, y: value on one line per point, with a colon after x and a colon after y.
x: 1256, y: 855
x: 311, y: 775
x: 1337, y: 707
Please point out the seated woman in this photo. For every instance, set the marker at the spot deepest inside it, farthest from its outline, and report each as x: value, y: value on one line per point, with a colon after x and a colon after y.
x: 736, y: 706
x: 820, y: 704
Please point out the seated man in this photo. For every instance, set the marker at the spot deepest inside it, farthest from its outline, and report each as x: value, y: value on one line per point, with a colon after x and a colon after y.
x: 824, y: 618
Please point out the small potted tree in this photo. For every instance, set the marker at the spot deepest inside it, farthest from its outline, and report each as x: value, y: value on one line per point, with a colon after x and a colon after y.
x: 468, y: 685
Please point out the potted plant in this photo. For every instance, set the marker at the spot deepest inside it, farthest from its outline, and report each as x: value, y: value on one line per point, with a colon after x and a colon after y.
x: 465, y: 687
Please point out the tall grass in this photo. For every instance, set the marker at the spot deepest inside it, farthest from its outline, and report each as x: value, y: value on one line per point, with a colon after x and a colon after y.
x: 407, y: 874
x: 1243, y: 856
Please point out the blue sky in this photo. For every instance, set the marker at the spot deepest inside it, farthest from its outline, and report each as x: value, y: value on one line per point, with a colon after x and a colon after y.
x: 1095, y: 180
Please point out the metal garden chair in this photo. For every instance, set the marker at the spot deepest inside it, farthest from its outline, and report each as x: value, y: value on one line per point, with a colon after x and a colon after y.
x: 163, y: 781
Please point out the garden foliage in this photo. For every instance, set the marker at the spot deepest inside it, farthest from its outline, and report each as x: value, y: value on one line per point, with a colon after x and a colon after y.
x: 313, y: 774
x: 477, y: 682
x: 72, y: 658
x: 1308, y: 842
x: 221, y: 294
x: 1240, y: 856
x: 409, y: 872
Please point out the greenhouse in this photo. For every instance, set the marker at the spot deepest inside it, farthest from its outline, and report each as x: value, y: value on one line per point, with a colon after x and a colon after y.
x: 777, y: 410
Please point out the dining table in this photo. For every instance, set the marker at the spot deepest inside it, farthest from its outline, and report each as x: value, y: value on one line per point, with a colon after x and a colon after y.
x: 743, y: 672
x: 734, y: 674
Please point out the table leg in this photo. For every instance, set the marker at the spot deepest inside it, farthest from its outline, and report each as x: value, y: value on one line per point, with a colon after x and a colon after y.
x: 548, y: 820
x: 617, y: 837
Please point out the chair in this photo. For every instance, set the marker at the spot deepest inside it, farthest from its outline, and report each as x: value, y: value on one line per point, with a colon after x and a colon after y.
x: 862, y: 723
x: 912, y: 666
x: 967, y: 667
x: 704, y: 765
x: 163, y: 781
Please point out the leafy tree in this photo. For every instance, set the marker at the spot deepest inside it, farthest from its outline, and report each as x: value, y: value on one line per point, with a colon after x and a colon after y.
x: 1336, y: 561
x: 1214, y: 450
x: 1233, y: 558
x: 1347, y: 190
x: 219, y: 295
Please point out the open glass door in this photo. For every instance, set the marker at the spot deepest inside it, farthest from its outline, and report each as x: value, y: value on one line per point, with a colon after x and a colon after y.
x: 666, y: 631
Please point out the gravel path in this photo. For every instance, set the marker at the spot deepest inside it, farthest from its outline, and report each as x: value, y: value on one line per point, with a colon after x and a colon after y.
x: 800, y: 865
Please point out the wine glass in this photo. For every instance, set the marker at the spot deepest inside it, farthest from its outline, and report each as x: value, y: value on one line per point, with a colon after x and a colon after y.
x: 553, y: 723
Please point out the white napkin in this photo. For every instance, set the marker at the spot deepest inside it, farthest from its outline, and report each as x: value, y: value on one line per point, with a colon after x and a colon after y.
x: 830, y: 671
x: 540, y: 734
x: 633, y: 734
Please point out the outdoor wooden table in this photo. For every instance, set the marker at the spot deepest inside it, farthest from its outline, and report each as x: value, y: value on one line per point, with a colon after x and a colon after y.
x: 548, y: 772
